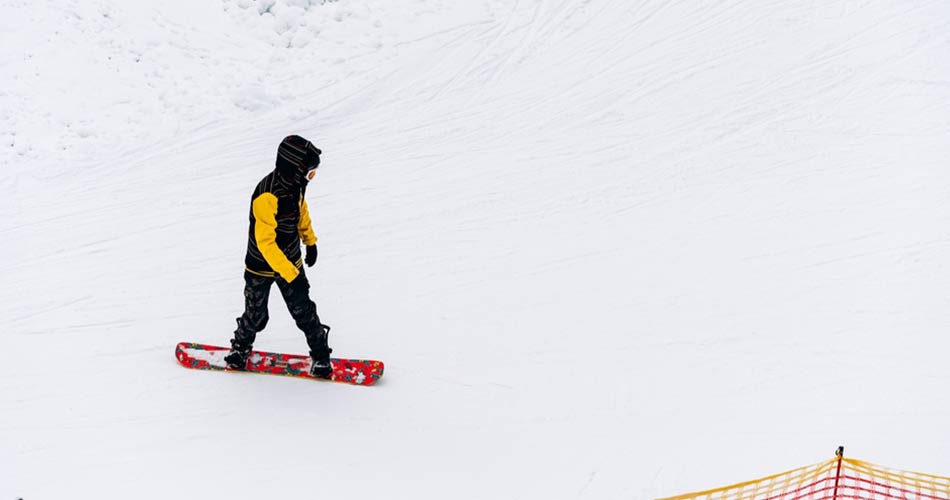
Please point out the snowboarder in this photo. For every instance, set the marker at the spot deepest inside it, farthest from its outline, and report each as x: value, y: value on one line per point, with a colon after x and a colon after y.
x: 280, y: 221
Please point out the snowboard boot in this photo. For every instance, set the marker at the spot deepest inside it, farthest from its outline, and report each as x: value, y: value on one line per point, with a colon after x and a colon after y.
x: 320, y: 366
x: 320, y: 357
x: 237, y: 356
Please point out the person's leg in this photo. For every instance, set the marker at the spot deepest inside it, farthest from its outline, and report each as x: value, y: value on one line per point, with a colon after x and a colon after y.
x: 304, y: 311
x: 254, y: 319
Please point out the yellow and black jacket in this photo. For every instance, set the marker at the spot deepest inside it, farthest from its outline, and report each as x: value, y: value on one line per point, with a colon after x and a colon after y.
x: 280, y: 221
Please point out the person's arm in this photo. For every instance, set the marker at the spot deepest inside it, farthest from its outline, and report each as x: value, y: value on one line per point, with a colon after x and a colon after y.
x: 265, y: 233
x: 305, y: 228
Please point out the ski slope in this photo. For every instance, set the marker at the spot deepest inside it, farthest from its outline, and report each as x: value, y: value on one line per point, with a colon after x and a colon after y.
x: 607, y: 249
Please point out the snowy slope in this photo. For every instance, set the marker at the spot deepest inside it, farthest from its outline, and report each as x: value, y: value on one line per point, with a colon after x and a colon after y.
x: 607, y: 249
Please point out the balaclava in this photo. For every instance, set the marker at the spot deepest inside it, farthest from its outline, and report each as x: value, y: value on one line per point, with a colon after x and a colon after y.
x: 295, y: 156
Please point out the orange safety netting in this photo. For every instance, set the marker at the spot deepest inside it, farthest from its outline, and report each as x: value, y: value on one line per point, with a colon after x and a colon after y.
x: 836, y: 479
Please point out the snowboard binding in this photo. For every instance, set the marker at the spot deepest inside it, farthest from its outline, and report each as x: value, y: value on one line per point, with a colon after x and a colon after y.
x: 320, y: 366
x: 237, y: 356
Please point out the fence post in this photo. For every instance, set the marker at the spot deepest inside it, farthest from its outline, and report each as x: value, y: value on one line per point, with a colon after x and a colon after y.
x: 840, y: 454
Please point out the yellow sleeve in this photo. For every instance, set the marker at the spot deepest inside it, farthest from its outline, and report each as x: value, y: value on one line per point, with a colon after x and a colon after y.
x: 265, y: 232
x: 305, y: 228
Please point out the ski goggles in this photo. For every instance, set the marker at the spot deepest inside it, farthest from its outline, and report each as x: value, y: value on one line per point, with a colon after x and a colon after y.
x: 310, y: 173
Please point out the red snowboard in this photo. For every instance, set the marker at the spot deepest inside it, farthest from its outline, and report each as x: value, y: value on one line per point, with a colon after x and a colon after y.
x: 209, y: 357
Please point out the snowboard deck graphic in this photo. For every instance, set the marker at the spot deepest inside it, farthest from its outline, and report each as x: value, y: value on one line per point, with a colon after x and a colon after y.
x: 209, y: 357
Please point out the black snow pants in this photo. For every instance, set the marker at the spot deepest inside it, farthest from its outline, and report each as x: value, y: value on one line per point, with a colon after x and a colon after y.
x: 297, y: 298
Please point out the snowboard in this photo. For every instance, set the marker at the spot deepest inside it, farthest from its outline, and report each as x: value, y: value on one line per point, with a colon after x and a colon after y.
x: 208, y: 357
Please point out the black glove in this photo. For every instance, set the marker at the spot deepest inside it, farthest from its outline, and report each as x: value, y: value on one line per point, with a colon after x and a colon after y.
x: 311, y: 257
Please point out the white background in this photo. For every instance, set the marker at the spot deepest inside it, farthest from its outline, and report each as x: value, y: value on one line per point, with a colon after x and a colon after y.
x: 607, y: 249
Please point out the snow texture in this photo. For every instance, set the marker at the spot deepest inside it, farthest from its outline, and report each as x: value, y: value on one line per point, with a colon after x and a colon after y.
x: 607, y: 249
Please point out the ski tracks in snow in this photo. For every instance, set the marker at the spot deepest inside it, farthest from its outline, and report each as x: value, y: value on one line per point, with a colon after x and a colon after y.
x: 577, y: 232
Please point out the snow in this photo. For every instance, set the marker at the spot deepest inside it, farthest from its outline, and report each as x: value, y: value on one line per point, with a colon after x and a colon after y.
x: 606, y: 249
